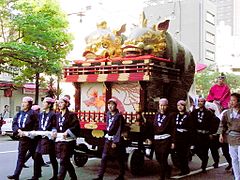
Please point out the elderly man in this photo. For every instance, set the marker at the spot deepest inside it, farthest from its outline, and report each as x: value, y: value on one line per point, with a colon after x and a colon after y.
x: 203, y: 122
x: 220, y: 93
x: 162, y: 134
x: 25, y: 120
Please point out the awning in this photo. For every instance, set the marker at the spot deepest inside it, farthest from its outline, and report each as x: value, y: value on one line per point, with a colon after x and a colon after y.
x: 4, y: 84
x: 7, y: 87
x: 200, y: 67
x: 30, y: 88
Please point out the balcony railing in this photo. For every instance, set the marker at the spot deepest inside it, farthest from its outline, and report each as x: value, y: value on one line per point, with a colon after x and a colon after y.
x: 97, y: 120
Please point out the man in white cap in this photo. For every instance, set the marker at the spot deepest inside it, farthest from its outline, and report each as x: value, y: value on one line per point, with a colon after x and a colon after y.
x: 203, y: 122
x: 36, y: 108
x: 25, y: 120
x: 113, y: 146
x: 47, y: 122
x: 162, y: 133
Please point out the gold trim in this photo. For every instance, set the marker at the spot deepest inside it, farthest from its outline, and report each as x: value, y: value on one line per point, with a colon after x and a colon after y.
x: 146, y: 61
x: 123, y: 77
x: 127, y: 62
x: 91, y: 125
x: 82, y: 78
x: 86, y: 64
x: 97, y: 133
x: 102, y: 77
x: 146, y: 77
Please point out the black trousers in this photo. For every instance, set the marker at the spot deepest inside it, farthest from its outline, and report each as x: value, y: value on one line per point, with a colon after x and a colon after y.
x: 117, y: 153
x: 225, y: 150
x: 38, y: 165
x: 162, y: 150
x: 64, y: 151
x: 215, y: 145
x: 66, y: 166
x: 29, y: 154
x: 182, y: 148
x: 202, y: 145
x: 25, y: 145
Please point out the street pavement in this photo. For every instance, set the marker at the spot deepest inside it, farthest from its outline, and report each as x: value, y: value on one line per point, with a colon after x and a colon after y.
x: 8, y: 157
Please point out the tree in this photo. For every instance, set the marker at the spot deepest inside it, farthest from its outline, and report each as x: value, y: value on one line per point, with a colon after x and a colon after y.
x: 40, y: 42
x: 205, y: 79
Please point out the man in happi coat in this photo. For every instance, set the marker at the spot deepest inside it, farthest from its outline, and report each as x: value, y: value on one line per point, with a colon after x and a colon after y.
x: 162, y: 131
x: 25, y: 120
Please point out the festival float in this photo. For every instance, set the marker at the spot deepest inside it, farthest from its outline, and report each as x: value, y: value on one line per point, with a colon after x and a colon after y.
x: 136, y: 71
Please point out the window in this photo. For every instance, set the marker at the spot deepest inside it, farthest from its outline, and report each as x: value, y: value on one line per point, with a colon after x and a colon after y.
x: 210, y: 55
x: 210, y: 37
x: 210, y: 17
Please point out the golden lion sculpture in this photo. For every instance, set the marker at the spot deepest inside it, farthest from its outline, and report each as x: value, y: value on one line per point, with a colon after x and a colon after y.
x: 103, y: 42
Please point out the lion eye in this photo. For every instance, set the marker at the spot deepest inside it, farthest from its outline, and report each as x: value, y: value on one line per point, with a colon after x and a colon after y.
x: 104, y: 45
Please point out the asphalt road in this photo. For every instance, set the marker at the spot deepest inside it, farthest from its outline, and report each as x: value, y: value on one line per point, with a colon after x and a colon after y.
x: 8, y: 158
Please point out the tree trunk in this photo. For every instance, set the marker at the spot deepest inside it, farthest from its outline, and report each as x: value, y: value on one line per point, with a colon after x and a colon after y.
x: 58, y: 86
x: 37, y: 88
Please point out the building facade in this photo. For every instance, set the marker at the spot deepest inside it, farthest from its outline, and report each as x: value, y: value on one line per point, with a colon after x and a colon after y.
x: 228, y: 35
x: 11, y: 95
x: 228, y: 12
x: 191, y: 22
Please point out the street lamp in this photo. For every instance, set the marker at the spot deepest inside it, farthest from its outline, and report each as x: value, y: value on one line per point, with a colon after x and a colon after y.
x: 81, y: 13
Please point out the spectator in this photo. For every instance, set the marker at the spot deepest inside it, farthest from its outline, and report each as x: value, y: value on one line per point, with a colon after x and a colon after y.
x: 1, y: 123
x: 220, y: 93
x: 6, y: 113
x: 230, y: 127
x: 224, y: 145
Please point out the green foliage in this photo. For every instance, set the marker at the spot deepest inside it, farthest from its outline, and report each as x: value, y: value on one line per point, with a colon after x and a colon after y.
x: 205, y: 79
x: 40, y: 42
x: 35, y: 37
x: 17, y: 53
